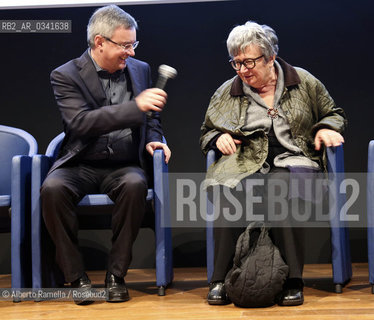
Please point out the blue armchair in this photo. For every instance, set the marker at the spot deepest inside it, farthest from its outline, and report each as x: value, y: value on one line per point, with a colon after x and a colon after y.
x: 341, y: 258
x: 370, y: 213
x: 16, y: 148
x: 94, y: 213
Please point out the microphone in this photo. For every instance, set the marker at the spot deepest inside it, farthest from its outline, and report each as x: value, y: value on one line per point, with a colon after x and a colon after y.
x: 165, y: 73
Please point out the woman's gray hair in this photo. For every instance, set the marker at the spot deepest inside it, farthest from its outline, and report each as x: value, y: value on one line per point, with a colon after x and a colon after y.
x: 106, y: 20
x: 251, y: 33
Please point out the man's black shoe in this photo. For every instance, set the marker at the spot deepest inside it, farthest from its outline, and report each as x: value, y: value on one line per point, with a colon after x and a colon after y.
x: 117, y: 291
x: 83, y: 290
x: 217, y: 294
x: 291, y: 297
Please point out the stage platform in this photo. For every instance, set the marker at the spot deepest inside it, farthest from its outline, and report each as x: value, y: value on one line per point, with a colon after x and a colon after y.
x: 185, y: 299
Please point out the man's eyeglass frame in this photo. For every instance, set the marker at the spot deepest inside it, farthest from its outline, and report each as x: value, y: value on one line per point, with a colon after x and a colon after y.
x: 125, y: 47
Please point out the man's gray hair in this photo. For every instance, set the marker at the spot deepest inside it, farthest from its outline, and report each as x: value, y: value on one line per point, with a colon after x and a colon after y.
x: 106, y: 20
x: 251, y: 33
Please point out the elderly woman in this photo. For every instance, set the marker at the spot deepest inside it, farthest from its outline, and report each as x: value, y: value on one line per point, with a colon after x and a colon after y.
x: 271, y: 117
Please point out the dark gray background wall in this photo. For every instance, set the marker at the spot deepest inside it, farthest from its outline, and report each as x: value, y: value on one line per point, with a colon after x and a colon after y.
x: 330, y: 38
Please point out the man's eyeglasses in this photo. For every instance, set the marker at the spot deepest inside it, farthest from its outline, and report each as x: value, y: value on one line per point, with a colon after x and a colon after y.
x: 248, y: 63
x: 125, y: 47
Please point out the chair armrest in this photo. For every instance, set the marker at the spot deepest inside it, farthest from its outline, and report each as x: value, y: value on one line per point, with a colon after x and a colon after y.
x: 370, y: 193
x: 39, y: 168
x: 210, y: 158
x: 335, y: 167
x: 340, y: 255
x: 371, y: 156
x: 164, y: 248
x: 20, y: 220
x: 161, y: 189
x: 370, y: 210
x: 54, y: 146
x: 335, y: 159
x: 20, y: 184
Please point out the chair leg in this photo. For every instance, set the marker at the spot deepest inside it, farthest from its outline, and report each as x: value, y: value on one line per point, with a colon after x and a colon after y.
x: 372, y: 288
x: 161, y: 290
x: 338, y: 288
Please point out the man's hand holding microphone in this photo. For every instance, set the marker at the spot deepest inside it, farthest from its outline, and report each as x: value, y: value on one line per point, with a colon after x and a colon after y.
x: 154, y: 99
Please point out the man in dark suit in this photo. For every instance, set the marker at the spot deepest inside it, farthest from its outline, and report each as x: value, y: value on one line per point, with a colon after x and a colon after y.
x: 112, y: 124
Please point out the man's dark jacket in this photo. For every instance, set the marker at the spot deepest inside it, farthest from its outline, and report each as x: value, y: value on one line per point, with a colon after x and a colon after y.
x: 81, y: 100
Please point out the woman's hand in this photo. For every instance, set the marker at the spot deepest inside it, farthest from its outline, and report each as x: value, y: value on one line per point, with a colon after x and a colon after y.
x: 330, y: 138
x: 226, y: 144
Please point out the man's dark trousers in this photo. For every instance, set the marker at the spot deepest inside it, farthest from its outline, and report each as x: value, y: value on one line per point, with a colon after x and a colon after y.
x: 66, y: 186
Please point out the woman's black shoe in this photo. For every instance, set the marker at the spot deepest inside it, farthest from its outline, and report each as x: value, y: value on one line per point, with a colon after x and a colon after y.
x: 291, y: 297
x: 217, y: 294
x: 292, y: 294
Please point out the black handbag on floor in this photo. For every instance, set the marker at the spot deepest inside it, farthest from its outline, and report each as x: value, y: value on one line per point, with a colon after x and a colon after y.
x: 259, y: 272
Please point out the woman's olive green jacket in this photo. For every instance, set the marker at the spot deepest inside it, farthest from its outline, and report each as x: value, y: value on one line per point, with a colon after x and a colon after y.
x: 306, y: 104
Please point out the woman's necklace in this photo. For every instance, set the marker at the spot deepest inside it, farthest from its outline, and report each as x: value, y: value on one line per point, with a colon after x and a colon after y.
x: 272, y: 113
